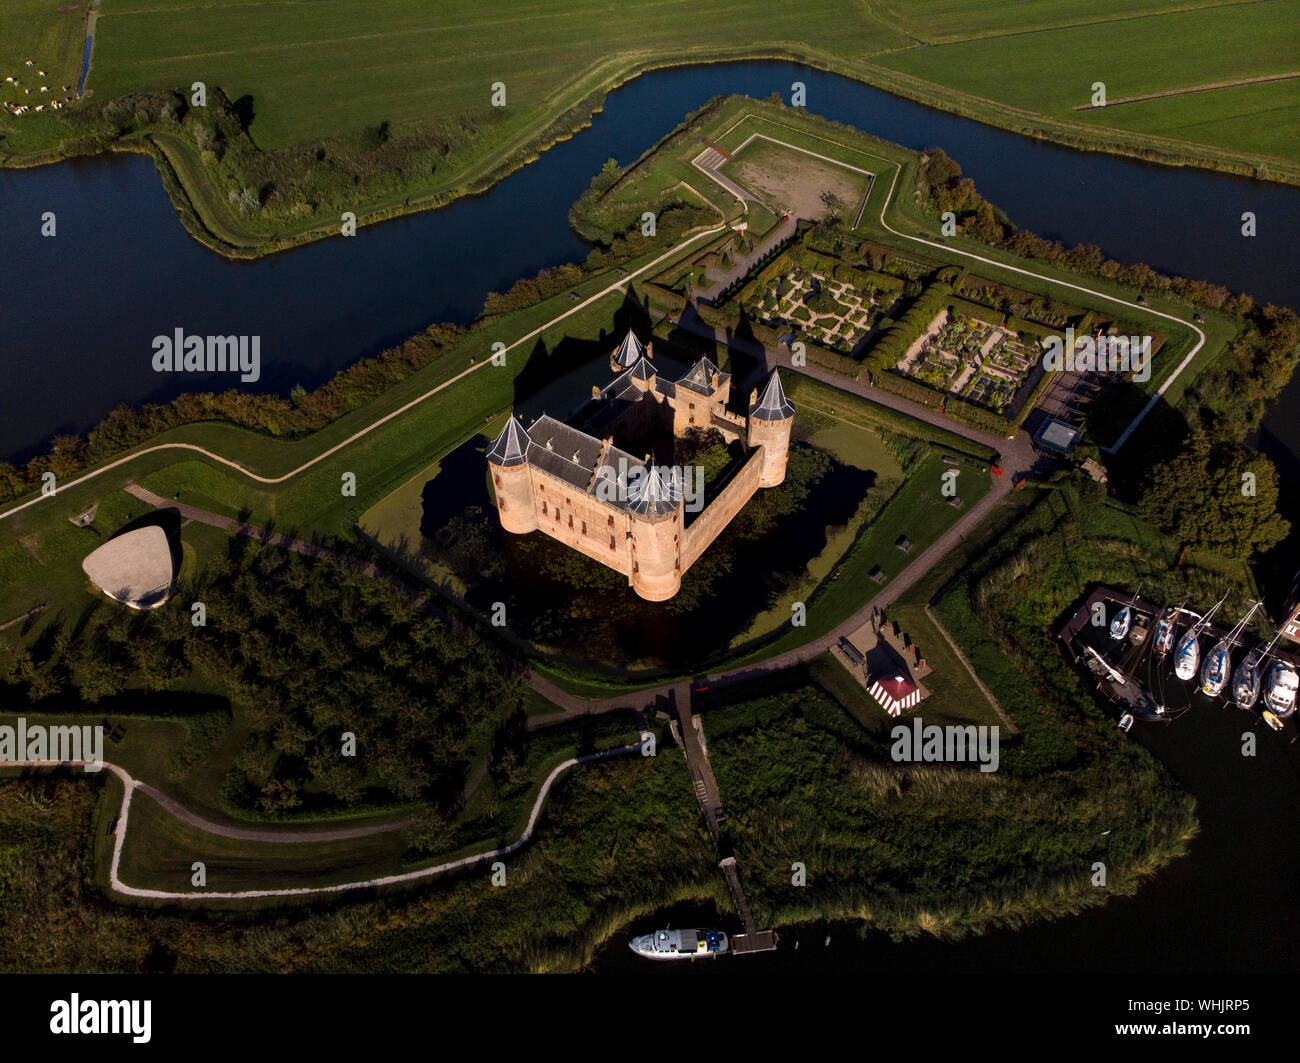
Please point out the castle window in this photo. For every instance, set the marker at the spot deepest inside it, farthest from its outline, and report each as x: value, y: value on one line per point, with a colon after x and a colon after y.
x: 674, y: 538
x: 690, y: 405
x: 570, y: 520
x: 557, y: 514
x: 611, y: 542
x: 674, y: 518
x: 611, y: 522
x: 543, y: 508
x: 497, y: 480
x: 584, y: 527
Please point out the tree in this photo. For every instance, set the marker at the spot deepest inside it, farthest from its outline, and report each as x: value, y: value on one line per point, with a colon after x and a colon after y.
x: 1219, y: 499
x: 430, y: 832
x: 833, y: 205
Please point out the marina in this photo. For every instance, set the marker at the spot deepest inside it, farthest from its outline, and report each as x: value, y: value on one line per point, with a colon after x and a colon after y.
x: 1210, y: 662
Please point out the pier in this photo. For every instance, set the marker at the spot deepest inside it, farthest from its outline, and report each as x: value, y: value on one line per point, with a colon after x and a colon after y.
x: 690, y: 734
x: 1083, y: 618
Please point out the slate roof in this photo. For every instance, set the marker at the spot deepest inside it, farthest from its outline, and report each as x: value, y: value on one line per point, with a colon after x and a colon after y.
x: 642, y: 370
x: 653, y: 493
x: 509, y: 447
x: 572, y: 456
x: 630, y: 351
x: 700, y: 377
x: 773, y: 406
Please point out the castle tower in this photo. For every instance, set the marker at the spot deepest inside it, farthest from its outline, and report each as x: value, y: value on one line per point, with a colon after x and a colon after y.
x: 770, y: 419
x: 511, y: 479
x: 629, y: 352
x: 655, y: 509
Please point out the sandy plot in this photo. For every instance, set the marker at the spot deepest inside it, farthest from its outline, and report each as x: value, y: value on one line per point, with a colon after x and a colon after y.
x: 790, y: 180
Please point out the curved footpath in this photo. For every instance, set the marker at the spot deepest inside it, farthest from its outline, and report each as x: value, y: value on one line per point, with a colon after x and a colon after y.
x: 130, y: 785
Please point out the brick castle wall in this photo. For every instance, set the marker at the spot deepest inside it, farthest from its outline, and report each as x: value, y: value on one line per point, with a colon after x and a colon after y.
x: 718, y: 514
x: 561, y: 511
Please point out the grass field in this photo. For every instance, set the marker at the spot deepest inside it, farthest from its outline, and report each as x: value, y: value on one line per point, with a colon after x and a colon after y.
x: 1039, y: 58
x: 793, y: 182
x: 313, y: 74
x: 317, y: 68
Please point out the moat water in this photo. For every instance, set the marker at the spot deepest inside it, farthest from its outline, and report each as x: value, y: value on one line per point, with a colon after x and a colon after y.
x: 79, y: 311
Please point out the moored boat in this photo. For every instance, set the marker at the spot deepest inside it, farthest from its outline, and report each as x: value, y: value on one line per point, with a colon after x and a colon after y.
x: 1187, y: 656
x: 1280, y: 689
x: 1141, y: 626
x: 1248, y: 680
x: 1215, y: 670
x: 1164, y: 633
x: 1120, y: 625
x: 680, y: 944
x: 1218, y: 662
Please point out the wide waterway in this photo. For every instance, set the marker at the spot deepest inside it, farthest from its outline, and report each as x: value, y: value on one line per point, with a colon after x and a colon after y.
x: 78, y: 312
x: 80, y: 309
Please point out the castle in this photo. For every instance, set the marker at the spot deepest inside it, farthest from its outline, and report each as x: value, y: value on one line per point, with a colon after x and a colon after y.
x: 626, y: 512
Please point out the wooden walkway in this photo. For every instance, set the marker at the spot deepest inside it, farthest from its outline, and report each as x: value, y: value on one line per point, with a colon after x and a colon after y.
x: 690, y: 734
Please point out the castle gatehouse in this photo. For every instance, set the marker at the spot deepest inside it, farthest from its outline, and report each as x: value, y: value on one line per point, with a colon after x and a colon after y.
x: 629, y: 513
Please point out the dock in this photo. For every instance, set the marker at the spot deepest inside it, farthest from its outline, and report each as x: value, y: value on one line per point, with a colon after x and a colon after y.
x: 689, y: 731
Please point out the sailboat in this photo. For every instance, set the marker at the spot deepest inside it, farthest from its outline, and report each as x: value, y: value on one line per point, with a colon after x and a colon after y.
x: 1218, y: 662
x: 1123, y: 619
x: 1248, y: 680
x: 1164, y: 636
x: 1120, y: 687
x: 1187, y: 657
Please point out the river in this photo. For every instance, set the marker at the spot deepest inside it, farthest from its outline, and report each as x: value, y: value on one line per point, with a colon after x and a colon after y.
x: 80, y: 310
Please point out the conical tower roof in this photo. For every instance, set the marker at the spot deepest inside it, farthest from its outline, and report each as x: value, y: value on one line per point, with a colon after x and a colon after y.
x: 510, y: 446
x: 773, y: 405
x: 630, y: 351
x: 655, y: 494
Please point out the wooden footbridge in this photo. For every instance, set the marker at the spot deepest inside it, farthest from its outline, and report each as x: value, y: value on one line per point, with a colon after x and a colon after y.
x: 690, y: 734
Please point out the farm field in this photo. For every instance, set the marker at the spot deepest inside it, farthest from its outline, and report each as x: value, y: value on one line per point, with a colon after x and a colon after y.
x: 1154, y: 52
x: 331, y: 67
x: 386, y: 108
